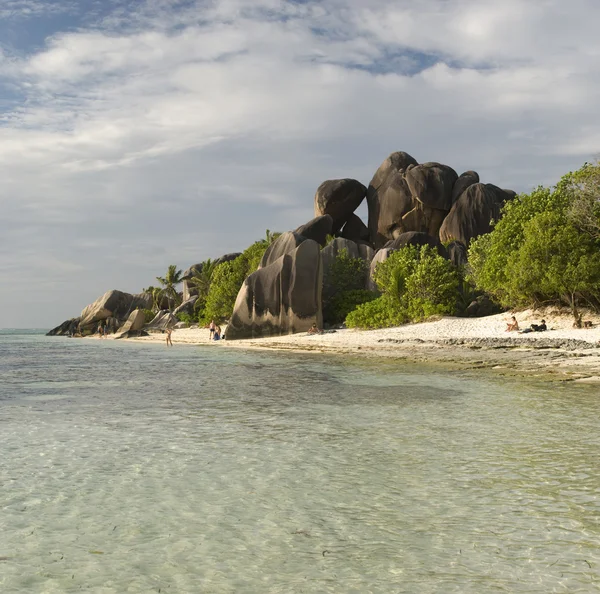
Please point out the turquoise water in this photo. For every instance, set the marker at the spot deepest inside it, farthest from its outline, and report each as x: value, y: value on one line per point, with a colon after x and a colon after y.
x: 137, y: 468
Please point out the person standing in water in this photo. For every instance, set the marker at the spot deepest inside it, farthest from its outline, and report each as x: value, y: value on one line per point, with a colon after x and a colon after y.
x: 169, y: 341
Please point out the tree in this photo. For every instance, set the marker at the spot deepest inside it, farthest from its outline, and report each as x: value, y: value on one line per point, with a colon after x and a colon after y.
x: 200, y: 281
x: 537, y: 253
x: 584, y: 211
x: 169, y: 283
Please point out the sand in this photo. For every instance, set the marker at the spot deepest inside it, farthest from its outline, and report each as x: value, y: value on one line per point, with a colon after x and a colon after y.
x: 562, y: 353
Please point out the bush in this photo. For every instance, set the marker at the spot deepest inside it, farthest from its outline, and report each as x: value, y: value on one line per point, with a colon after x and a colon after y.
x: 227, y: 279
x: 342, y: 304
x: 149, y: 315
x: 345, y: 275
x: 382, y: 312
x: 185, y: 317
x: 536, y: 254
x: 416, y: 283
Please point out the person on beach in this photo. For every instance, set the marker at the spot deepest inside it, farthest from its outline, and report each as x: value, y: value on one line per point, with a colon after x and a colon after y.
x: 314, y: 330
x: 512, y: 325
x: 211, y: 328
x: 541, y: 327
x: 169, y: 331
x: 217, y: 333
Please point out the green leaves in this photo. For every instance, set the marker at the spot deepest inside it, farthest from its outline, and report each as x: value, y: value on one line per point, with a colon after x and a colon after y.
x: 416, y: 284
x: 538, y: 253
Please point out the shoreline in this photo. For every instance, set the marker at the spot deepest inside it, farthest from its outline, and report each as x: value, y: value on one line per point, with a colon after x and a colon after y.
x: 560, y: 354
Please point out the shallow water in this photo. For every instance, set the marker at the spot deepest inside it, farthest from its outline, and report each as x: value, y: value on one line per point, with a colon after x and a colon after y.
x: 137, y: 468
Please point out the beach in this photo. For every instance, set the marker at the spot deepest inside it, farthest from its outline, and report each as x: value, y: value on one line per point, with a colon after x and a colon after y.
x: 561, y: 353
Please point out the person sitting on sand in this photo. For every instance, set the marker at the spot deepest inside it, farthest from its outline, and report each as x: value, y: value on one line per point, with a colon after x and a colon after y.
x: 314, y: 330
x: 512, y: 325
x: 169, y: 340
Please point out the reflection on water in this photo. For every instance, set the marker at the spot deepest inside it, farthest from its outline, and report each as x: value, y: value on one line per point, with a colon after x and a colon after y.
x: 129, y: 468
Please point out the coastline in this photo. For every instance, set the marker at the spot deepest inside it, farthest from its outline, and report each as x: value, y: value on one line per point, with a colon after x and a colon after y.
x: 561, y: 354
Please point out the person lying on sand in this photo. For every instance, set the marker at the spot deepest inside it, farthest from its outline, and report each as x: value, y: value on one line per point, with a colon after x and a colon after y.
x: 535, y: 328
x: 512, y: 325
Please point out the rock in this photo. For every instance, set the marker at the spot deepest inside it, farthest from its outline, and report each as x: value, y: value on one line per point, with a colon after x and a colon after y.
x: 389, y: 198
x: 67, y: 328
x: 457, y: 253
x: 471, y: 214
x: 416, y: 238
x: 114, y: 304
x: 431, y: 184
x: 510, y: 194
x: 380, y: 256
x: 339, y: 198
x: 187, y: 307
x: 284, y: 244
x: 135, y: 322
x: 317, y: 229
x: 355, y: 229
x: 481, y: 307
x: 466, y: 179
x: 162, y: 321
x: 282, y: 297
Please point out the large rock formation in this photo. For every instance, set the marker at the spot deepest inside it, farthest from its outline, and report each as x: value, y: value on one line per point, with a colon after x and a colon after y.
x: 162, y: 321
x: 284, y: 244
x: 404, y: 196
x: 133, y: 326
x: 115, y: 304
x: 282, y: 297
x: 355, y: 230
x: 339, y: 198
x: 67, y: 328
x: 416, y: 238
x: 466, y: 179
x: 389, y: 198
x: 317, y: 229
x: 472, y: 213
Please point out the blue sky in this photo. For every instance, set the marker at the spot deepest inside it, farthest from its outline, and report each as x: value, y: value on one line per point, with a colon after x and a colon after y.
x: 134, y: 135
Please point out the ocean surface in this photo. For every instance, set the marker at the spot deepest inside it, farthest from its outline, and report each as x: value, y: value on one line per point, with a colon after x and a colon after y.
x: 131, y: 467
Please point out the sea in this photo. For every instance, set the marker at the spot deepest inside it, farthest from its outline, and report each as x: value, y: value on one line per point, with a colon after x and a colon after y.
x: 128, y: 467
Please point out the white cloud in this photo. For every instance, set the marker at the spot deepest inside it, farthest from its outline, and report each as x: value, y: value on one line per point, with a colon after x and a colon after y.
x: 196, y: 125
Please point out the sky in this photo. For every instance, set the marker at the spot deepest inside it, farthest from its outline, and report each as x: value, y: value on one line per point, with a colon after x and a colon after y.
x: 135, y: 134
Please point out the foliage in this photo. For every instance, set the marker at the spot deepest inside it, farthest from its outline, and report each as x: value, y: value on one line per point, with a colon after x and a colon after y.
x: 584, y: 210
x: 416, y: 283
x: 169, y: 283
x: 227, y: 279
x: 346, y: 302
x: 536, y: 254
x: 342, y: 278
x: 149, y: 315
x: 200, y: 282
x: 185, y: 317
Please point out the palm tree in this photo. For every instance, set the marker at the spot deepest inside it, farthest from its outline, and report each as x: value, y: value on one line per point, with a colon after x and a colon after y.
x: 169, y: 283
x: 200, y: 281
x: 155, y: 293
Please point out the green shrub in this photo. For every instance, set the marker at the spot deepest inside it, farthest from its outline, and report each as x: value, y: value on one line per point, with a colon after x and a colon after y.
x: 416, y: 283
x: 227, y: 279
x: 149, y: 315
x: 536, y: 254
x: 342, y: 304
x: 185, y: 317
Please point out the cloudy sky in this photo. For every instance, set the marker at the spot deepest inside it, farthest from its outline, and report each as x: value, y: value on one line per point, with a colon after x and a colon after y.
x: 135, y: 134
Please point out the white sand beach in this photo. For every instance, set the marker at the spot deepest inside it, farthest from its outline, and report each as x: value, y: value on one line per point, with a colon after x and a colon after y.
x: 562, y: 351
